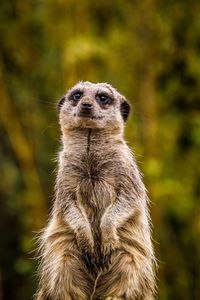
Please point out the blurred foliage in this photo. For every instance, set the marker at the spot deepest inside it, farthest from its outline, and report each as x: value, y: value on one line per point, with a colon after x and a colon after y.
x: 149, y: 50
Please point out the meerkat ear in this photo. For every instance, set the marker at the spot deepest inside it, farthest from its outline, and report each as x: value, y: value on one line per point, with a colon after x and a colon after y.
x: 60, y: 103
x: 125, y: 109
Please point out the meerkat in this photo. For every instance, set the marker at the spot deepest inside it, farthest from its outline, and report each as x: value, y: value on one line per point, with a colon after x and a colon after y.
x: 97, y: 244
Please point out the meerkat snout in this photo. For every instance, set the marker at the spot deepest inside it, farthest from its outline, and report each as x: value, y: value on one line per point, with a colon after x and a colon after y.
x: 86, y: 106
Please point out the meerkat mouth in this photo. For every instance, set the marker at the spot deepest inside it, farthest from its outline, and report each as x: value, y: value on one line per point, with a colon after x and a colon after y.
x: 89, y: 116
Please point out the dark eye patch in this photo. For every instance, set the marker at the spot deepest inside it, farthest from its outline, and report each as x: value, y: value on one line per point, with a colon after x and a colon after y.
x: 103, y: 98
x: 75, y: 96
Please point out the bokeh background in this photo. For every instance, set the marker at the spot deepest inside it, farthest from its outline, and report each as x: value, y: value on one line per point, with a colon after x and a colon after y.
x: 150, y: 51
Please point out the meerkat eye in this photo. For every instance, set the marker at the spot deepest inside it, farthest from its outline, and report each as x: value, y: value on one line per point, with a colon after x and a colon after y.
x: 77, y: 96
x: 103, y: 98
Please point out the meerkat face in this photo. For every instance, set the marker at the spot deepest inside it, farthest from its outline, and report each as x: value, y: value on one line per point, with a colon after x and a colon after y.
x: 89, y: 105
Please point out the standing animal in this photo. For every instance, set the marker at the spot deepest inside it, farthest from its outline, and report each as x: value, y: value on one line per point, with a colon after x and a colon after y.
x: 97, y: 243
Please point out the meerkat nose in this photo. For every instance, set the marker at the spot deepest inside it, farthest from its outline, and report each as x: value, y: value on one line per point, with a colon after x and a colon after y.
x: 86, y: 106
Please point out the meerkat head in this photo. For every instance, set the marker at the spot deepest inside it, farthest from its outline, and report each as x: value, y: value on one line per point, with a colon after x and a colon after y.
x: 95, y: 106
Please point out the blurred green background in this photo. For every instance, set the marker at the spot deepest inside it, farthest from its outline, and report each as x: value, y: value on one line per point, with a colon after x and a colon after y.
x: 150, y: 51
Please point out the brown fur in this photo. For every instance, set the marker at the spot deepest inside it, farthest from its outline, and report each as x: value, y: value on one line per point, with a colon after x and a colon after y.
x: 97, y: 243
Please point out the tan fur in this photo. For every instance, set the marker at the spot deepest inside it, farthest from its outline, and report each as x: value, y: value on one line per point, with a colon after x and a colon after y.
x: 97, y: 243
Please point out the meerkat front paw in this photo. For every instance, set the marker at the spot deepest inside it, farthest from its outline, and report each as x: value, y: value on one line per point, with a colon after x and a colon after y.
x: 109, y: 245
x: 85, y: 241
x: 86, y: 245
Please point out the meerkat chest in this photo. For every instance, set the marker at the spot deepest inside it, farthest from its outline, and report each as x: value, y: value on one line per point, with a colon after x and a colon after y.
x: 94, y: 179
x: 98, y: 183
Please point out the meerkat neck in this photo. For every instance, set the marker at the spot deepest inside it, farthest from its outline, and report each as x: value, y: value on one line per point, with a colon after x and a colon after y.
x: 89, y: 137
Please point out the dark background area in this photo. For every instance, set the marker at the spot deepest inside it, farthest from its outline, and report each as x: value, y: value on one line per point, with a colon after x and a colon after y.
x: 150, y: 51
